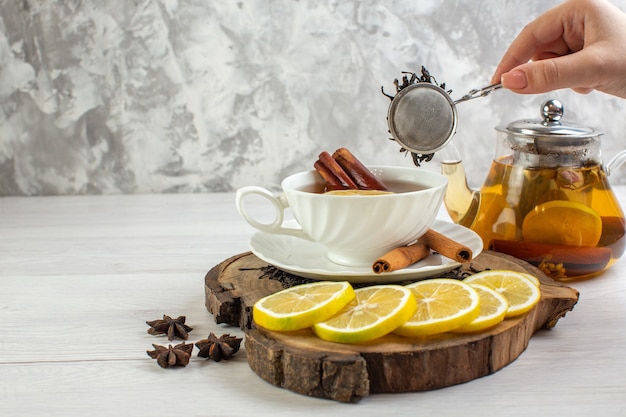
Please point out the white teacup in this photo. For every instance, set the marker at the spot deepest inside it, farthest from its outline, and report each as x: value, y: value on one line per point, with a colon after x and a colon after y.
x: 356, y: 229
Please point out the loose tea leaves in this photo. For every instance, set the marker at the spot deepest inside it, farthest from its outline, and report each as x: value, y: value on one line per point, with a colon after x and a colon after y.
x: 286, y: 279
x: 424, y: 77
x: 408, y: 79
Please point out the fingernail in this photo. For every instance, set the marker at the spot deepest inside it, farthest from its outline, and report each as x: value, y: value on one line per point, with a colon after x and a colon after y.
x: 514, y: 80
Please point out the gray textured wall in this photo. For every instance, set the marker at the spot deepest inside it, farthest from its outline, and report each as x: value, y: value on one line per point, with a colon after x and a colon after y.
x: 138, y: 96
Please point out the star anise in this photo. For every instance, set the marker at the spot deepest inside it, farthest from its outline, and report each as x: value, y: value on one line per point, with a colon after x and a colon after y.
x: 220, y: 348
x: 178, y: 355
x: 172, y: 327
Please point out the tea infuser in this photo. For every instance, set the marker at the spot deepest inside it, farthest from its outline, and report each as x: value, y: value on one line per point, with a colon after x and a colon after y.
x: 422, y: 117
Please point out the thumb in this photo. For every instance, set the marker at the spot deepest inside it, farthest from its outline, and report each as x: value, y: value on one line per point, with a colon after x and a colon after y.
x: 548, y: 74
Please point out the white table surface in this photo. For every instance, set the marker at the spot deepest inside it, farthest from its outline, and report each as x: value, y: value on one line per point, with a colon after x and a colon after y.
x: 80, y: 275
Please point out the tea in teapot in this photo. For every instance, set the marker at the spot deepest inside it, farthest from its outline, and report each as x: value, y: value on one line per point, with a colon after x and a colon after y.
x: 546, y: 200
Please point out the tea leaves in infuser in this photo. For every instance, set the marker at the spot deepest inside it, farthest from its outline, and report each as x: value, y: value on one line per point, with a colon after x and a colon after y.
x: 422, y: 116
x: 409, y: 79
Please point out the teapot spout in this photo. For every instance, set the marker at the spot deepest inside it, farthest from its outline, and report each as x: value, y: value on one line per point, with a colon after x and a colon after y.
x: 460, y: 200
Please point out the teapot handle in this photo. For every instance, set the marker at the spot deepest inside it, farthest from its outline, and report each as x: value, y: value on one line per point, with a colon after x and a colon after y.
x: 616, y: 162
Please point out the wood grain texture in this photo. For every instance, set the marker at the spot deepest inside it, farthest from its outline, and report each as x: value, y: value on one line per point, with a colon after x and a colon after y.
x: 301, y: 362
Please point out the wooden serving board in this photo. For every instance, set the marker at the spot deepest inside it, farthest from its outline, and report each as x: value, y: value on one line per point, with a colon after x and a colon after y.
x: 303, y: 363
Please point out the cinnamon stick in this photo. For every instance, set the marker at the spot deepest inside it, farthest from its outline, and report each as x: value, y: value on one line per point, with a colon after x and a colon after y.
x: 332, y: 183
x: 446, y: 246
x: 575, y: 260
x: 401, y: 257
x: 359, y: 173
x: 334, y: 175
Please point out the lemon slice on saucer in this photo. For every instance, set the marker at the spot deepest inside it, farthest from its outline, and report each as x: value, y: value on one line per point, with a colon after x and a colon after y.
x: 493, y: 308
x: 443, y: 304
x: 303, y: 305
x: 519, y: 290
x: 374, y: 312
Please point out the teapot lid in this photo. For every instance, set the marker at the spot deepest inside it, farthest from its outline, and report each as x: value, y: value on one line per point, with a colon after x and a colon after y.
x: 550, y: 125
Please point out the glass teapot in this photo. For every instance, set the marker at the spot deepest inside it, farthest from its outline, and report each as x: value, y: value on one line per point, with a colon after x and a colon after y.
x: 546, y: 199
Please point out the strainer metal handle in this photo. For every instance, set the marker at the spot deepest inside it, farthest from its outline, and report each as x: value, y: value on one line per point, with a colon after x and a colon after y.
x: 479, y: 92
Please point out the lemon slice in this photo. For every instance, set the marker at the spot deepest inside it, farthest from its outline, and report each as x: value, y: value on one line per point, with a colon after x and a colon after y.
x: 521, y: 293
x: 562, y: 222
x: 443, y: 304
x: 493, y: 308
x: 531, y: 277
x: 357, y: 192
x: 303, y: 305
x: 374, y: 312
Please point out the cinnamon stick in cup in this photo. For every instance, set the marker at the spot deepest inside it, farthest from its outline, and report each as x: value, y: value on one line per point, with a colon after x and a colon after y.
x: 331, y: 181
x: 333, y: 174
x: 400, y: 258
x: 359, y: 173
x: 446, y: 246
x: 343, y: 171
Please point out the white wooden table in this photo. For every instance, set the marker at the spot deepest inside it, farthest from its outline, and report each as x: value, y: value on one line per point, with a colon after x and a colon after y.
x: 81, y: 275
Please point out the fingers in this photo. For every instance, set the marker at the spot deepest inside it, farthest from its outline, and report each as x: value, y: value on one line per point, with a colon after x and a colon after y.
x: 550, y: 74
x: 578, y: 44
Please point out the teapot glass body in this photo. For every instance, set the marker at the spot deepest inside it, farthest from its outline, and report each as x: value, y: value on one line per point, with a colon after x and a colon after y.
x: 546, y: 200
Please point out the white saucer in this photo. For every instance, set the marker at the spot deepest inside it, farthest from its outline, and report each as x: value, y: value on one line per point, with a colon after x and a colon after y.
x: 308, y: 259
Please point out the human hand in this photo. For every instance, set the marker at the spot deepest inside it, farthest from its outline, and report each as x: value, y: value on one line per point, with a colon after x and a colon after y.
x: 579, y: 44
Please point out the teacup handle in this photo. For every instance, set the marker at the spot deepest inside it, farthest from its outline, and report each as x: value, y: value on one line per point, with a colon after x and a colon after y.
x: 280, y: 203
